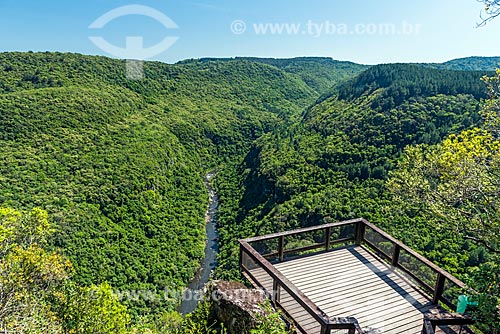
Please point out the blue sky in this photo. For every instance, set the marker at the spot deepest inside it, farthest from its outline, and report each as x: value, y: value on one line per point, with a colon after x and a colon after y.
x: 420, y: 30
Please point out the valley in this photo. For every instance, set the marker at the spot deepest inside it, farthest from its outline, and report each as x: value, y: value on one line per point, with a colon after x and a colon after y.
x: 124, y: 168
x: 205, y: 272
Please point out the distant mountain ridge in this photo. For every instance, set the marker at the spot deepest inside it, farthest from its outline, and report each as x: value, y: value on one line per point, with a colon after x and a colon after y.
x: 323, y: 73
x: 470, y: 64
x: 319, y: 73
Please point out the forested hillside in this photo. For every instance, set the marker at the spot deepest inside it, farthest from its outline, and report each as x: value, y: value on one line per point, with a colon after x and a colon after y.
x: 470, y: 64
x: 395, y: 83
x: 119, y: 164
x: 333, y: 164
x: 319, y: 73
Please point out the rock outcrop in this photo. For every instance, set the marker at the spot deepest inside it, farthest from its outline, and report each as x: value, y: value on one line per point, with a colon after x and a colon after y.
x: 236, y: 306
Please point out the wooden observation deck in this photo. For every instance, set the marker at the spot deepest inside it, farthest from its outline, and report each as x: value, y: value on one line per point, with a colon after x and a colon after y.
x: 352, y: 277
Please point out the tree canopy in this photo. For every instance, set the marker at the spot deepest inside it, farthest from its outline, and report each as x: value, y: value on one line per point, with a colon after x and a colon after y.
x: 37, y: 294
x: 456, y: 182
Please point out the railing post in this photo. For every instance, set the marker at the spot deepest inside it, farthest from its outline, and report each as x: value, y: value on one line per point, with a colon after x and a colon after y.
x: 428, y: 328
x: 241, y: 257
x: 439, y: 289
x: 360, y: 232
x: 328, y: 234
x: 276, y: 292
x: 395, y: 255
x: 281, y: 248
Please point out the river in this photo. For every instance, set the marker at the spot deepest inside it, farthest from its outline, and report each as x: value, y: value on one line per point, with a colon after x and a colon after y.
x: 211, y: 249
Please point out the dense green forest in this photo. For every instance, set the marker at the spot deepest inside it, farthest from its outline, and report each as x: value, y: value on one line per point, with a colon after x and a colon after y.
x: 335, y: 160
x: 319, y: 73
x: 119, y: 164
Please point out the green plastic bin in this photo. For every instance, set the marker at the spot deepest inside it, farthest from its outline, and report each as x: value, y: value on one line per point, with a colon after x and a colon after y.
x: 464, y: 302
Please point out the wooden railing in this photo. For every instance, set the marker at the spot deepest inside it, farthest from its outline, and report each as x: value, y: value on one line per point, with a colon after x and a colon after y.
x: 431, y: 278
x: 261, y: 252
x: 250, y: 259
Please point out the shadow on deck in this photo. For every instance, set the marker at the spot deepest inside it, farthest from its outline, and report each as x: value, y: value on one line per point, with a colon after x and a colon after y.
x: 351, y: 277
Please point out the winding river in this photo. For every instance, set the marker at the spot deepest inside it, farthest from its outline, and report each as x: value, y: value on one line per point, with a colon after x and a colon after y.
x: 210, y: 261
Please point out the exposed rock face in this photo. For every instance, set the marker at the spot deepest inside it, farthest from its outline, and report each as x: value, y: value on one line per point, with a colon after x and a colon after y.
x: 236, y: 306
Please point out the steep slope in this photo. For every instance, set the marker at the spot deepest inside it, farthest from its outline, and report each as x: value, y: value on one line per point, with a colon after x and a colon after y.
x: 120, y: 186
x: 395, y: 83
x: 332, y: 164
x: 119, y: 163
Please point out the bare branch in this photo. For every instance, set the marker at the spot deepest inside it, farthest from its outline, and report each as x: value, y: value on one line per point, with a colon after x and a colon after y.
x: 491, y: 11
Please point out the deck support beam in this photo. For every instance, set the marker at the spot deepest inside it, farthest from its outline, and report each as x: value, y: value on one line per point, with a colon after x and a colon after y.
x: 276, y: 292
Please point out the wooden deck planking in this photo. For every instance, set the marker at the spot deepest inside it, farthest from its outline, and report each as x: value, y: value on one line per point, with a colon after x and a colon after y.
x: 296, y: 311
x: 357, y: 284
x: 346, y: 290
